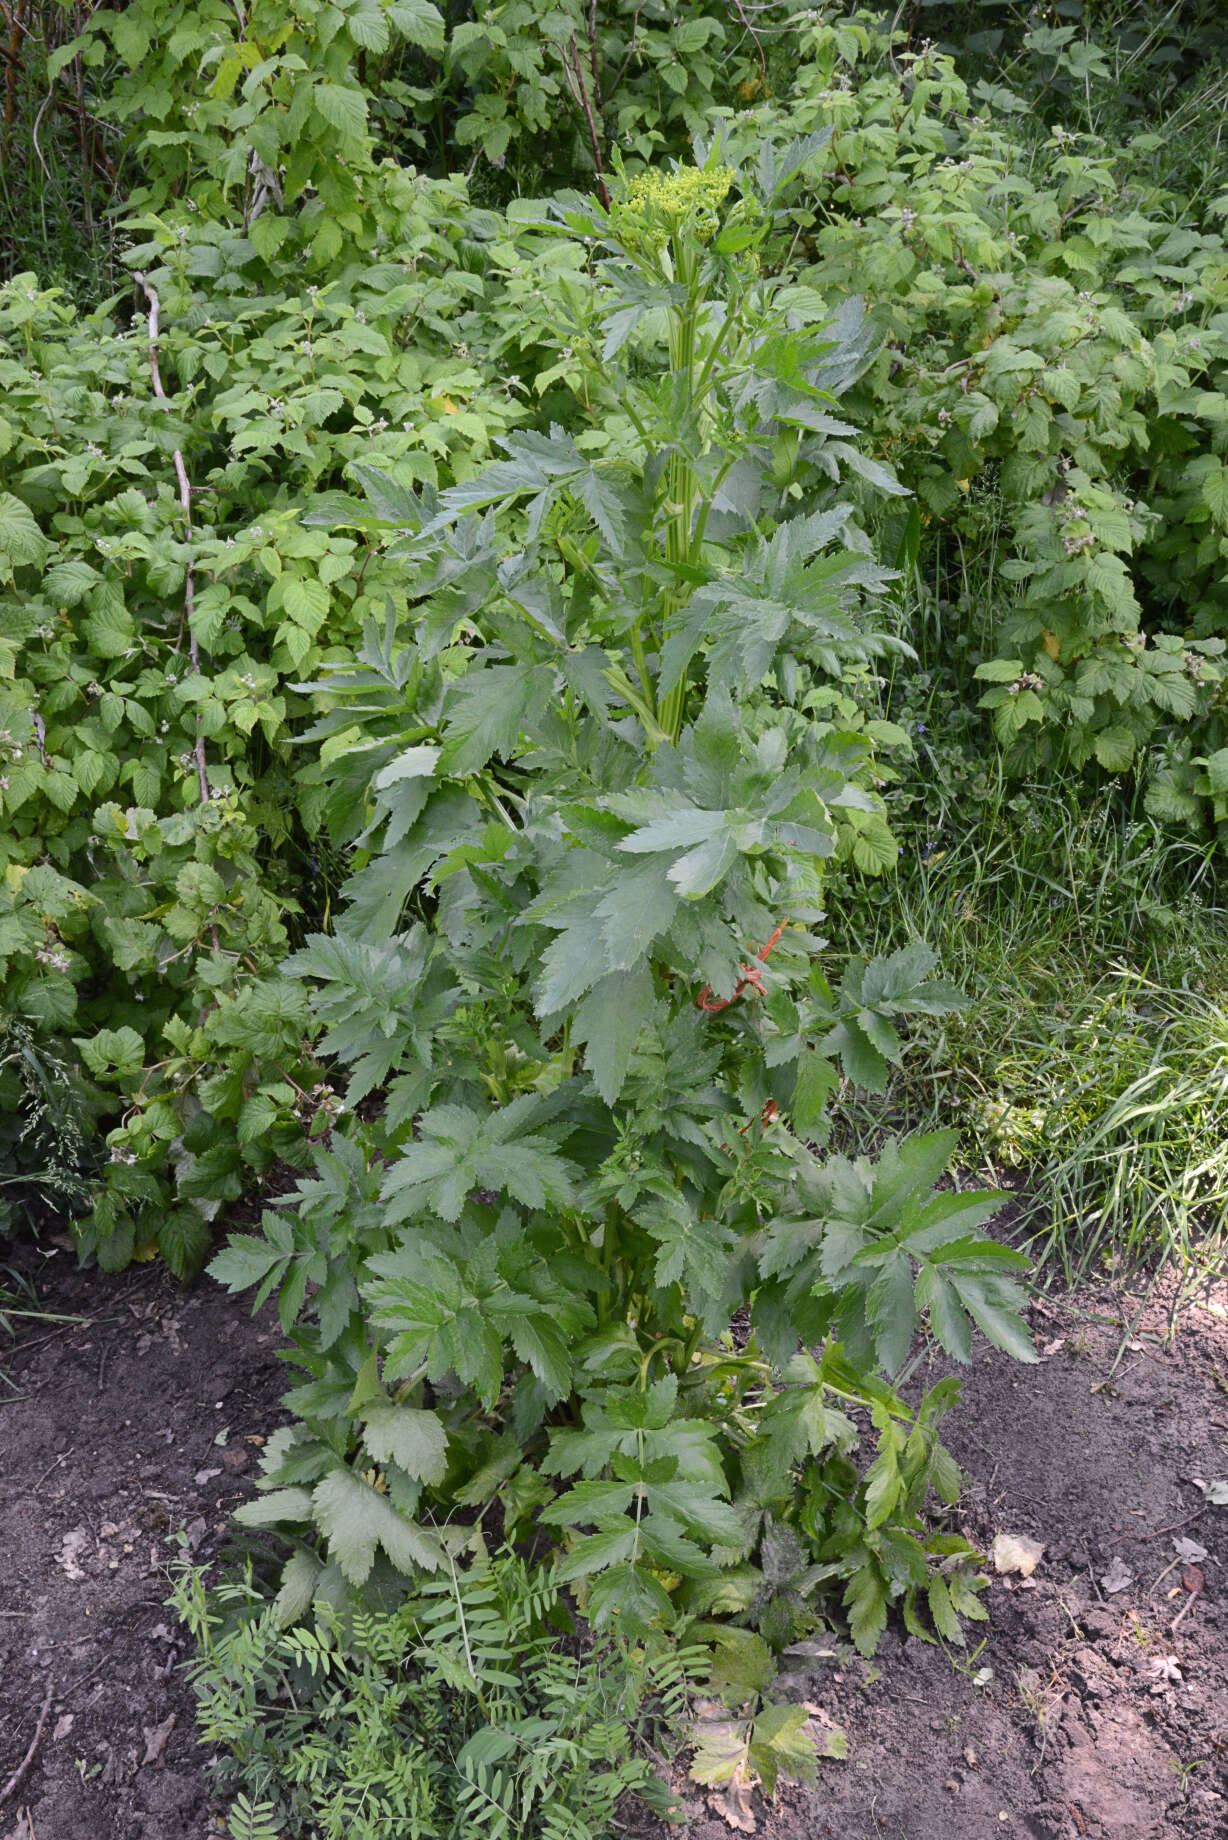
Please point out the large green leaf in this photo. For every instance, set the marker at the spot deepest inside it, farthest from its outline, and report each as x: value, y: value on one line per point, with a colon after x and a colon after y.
x: 356, y: 1518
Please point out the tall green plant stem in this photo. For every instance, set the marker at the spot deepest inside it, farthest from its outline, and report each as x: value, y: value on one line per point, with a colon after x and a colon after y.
x: 680, y: 476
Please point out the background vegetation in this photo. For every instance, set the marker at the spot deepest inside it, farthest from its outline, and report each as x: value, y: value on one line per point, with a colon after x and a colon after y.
x: 422, y: 430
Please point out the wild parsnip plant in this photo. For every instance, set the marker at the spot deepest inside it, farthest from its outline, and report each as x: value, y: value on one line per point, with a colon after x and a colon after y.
x: 601, y: 771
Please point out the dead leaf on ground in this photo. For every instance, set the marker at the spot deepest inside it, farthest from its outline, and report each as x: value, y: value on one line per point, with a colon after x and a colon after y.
x: 1118, y: 1576
x: 1189, y: 1551
x: 1014, y: 1552
x: 72, y: 1546
x: 155, y: 1738
x: 732, y: 1805
x: 1163, y: 1670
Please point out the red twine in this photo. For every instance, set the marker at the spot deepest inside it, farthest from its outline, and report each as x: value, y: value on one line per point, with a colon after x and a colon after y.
x: 751, y: 975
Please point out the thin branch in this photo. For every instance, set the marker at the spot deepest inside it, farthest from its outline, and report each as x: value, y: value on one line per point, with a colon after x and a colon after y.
x: 576, y: 72
x: 622, y: 68
x: 18, y: 1777
x: 751, y: 33
x: 185, y: 501
x: 15, y: 22
x: 87, y: 164
x: 592, y: 52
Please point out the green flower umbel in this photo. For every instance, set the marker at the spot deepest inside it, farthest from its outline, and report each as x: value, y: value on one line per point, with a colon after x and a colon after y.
x: 687, y: 201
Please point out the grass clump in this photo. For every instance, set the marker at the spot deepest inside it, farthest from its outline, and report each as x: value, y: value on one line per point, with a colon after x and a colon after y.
x: 1093, y: 1056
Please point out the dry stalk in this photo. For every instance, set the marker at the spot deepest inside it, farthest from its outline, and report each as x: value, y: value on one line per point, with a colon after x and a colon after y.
x: 189, y: 580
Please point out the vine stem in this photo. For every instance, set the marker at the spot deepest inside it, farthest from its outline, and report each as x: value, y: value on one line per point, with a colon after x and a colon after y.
x: 189, y: 579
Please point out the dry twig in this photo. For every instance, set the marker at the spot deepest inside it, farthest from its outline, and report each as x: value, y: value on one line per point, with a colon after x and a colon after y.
x: 19, y: 1774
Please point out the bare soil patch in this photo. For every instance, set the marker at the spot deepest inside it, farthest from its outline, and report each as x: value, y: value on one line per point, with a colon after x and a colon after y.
x: 140, y: 1423
x: 116, y: 1435
x: 1106, y: 1716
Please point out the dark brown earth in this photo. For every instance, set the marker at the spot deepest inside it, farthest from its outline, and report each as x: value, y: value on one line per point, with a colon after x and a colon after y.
x: 120, y: 1438
x: 1079, y: 1732
x: 140, y: 1424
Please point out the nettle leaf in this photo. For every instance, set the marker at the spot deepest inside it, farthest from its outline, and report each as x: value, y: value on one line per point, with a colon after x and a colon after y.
x: 817, y: 1080
x: 306, y: 601
x: 891, y: 1309
x: 112, y: 1052
x: 634, y: 914
x: 22, y: 543
x: 883, y: 1247
x: 276, y: 1508
x: 343, y: 108
x: 1214, y: 494
x: 246, y: 1261
x: 300, y: 1580
x: 691, y: 1249
x: 419, y: 22
x: 490, y: 710
x: 436, y: 1322
x: 865, y: 1600
x: 368, y: 27
x: 542, y: 1344
x: 781, y: 1745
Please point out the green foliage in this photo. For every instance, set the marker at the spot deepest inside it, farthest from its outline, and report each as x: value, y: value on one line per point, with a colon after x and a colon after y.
x: 1091, y: 1058
x: 460, y: 1712
x: 160, y: 833
x: 1148, y: 77
x: 262, y: 116
x: 556, y: 92
x: 1052, y: 388
x: 59, y: 175
x: 274, y: 114
x: 320, y: 309
x: 45, y: 1124
x: 481, y: 618
x: 594, y: 782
